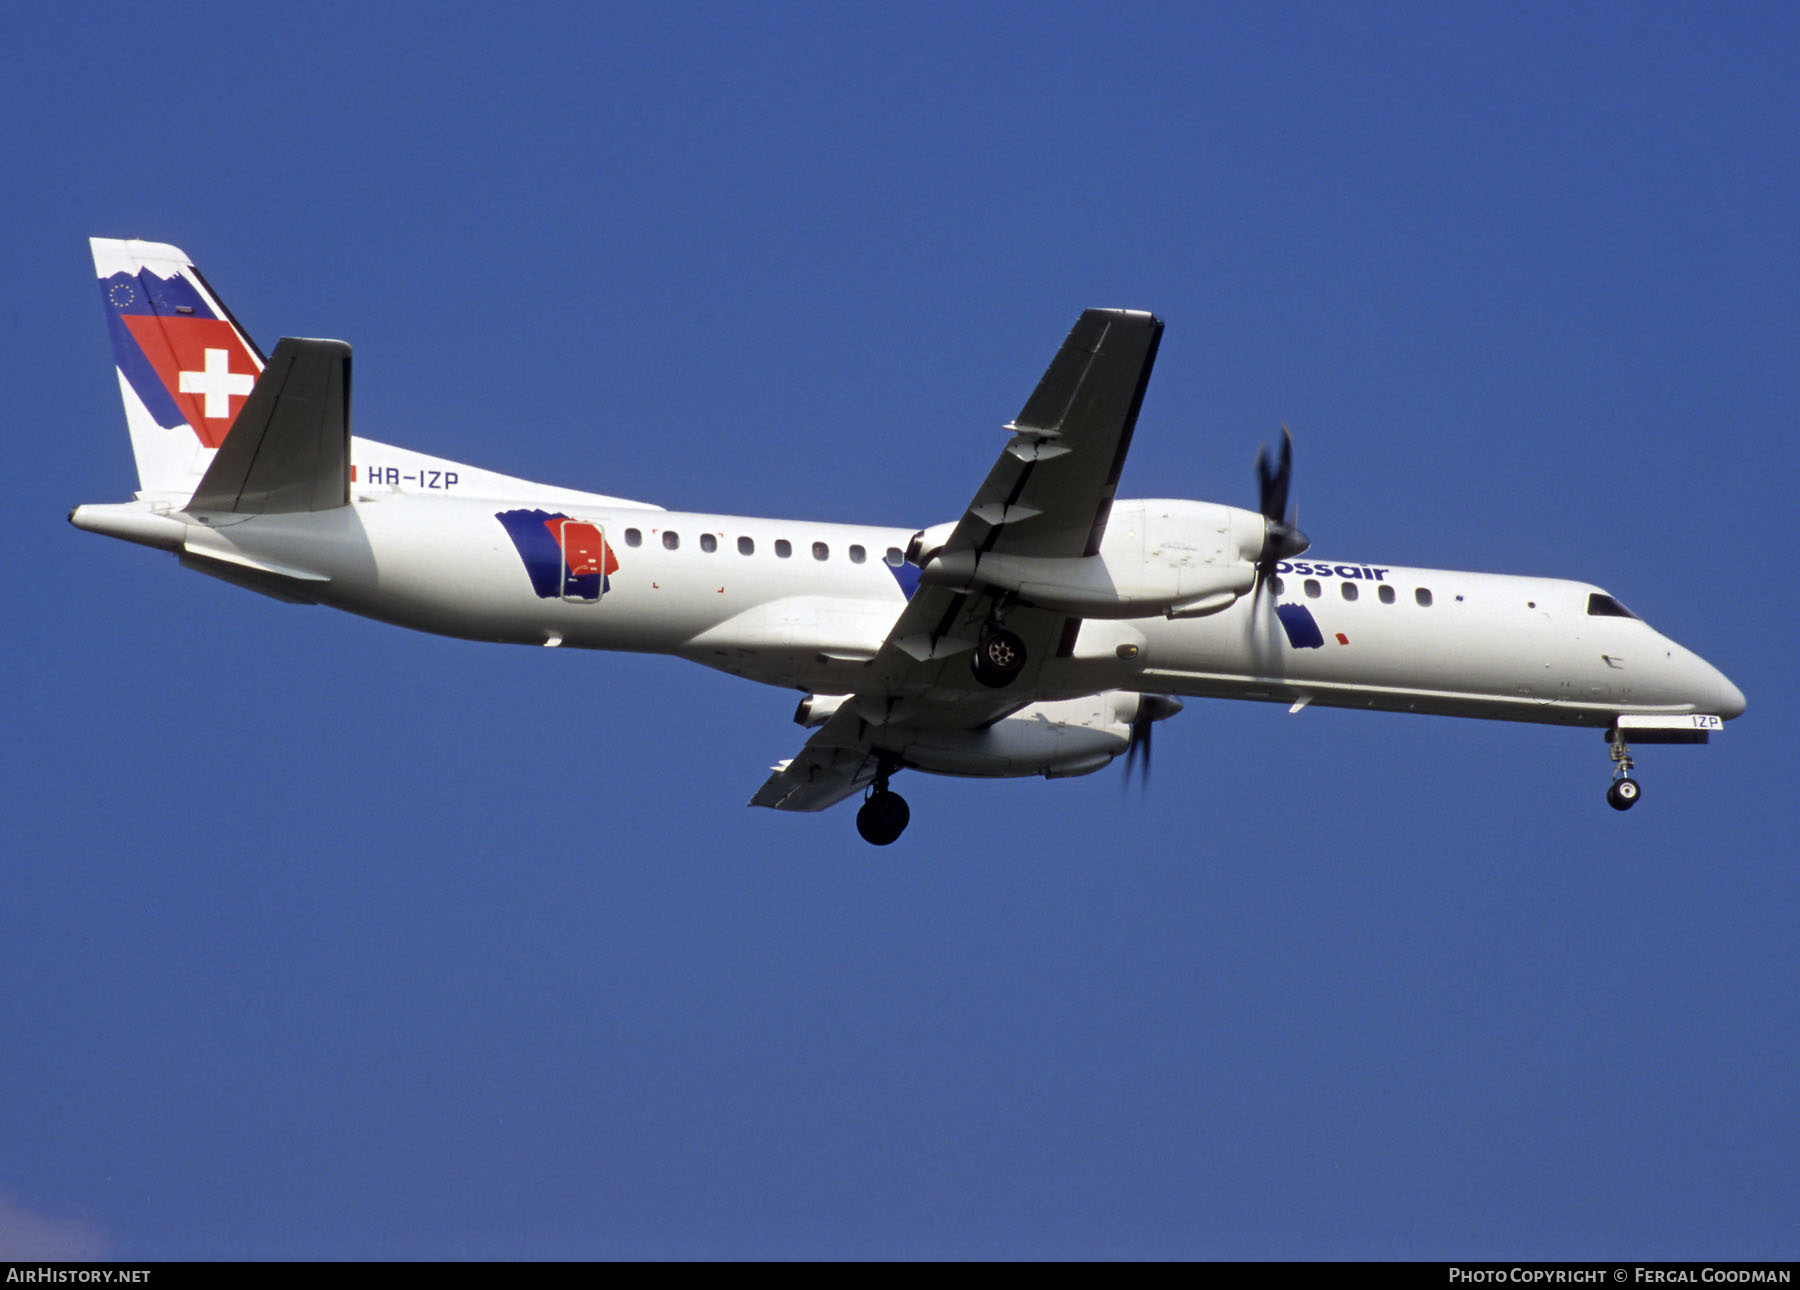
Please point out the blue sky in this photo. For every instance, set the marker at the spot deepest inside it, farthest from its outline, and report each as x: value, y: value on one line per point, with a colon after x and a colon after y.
x: 325, y: 939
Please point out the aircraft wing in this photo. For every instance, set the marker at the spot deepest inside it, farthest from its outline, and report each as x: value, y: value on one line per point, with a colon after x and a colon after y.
x: 836, y: 762
x: 1051, y: 490
x: 1049, y: 494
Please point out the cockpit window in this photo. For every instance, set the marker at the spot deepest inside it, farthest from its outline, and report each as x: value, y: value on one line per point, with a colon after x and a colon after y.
x: 1604, y: 606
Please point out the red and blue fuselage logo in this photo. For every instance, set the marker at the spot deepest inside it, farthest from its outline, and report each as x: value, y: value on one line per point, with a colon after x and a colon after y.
x: 566, y: 559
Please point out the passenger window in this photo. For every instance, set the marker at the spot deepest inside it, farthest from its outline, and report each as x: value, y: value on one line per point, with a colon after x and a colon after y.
x: 783, y: 548
x: 633, y: 538
x: 1387, y: 594
x: 708, y: 542
x: 1312, y: 589
x: 746, y: 546
x: 1423, y: 596
x: 895, y: 557
x: 1277, y: 585
x: 858, y: 555
x: 821, y: 551
x: 1349, y: 589
x: 671, y: 539
x: 1602, y: 606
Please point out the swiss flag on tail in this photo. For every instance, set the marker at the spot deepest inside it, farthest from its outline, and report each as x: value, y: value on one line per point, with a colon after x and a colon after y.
x: 202, y: 364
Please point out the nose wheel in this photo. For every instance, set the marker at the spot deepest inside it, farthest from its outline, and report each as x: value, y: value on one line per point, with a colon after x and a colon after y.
x: 1623, y: 794
x: 884, y: 814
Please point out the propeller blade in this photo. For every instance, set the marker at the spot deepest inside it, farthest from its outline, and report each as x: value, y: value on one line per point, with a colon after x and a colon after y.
x: 1284, y: 538
x: 1152, y: 708
x: 1272, y: 484
x: 1137, y: 757
x: 1147, y: 725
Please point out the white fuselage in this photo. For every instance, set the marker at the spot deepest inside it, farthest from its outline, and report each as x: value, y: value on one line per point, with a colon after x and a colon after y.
x: 1474, y: 644
x: 1043, y: 631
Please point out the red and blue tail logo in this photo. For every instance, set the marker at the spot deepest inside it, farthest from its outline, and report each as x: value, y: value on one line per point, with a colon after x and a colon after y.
x: 186, y: 361
x: 567, y: 559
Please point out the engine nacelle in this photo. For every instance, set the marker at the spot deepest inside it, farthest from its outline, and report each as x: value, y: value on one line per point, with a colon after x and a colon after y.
x: 1067, y: 737
x: 1177, y: 558
x: 927, y: 543
x: 817, y: 709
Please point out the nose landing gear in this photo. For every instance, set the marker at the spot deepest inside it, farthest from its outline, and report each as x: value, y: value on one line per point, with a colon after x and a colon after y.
x: 1623, y: 794
x: 884, y: 813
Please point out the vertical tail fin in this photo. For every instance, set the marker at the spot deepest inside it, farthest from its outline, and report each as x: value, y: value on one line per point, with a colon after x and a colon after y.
x: 185, y: 366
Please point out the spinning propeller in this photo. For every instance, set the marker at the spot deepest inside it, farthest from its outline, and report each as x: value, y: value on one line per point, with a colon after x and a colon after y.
x: 1283, y: 539
x: 1152, y: 708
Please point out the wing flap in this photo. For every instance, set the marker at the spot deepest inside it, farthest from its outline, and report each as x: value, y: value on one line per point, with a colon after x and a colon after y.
x: 836, y: 762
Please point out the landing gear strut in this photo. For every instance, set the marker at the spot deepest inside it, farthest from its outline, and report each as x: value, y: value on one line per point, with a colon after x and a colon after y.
x: 884, y: 813
x: 1623, y: 794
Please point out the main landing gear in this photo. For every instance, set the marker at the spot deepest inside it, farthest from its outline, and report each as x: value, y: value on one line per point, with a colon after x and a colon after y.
x: 884, y: 813
x: 998, y: 658
x: 999, y: 654
x: 1623, y: 794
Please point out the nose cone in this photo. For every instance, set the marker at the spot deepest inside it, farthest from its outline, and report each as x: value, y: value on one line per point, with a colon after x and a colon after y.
x: 1709, y: 689
x: 1730, y: 699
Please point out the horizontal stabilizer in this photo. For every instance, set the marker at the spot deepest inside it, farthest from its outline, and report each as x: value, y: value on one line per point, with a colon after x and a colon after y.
x: 289, y: 449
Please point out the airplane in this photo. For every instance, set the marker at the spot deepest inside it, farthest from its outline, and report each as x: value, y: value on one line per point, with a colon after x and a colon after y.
x: 1045, y: 631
